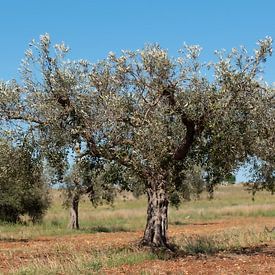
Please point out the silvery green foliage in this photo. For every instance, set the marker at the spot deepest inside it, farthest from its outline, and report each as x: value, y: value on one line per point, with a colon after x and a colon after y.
x: 94, y: 178
x: 145, y: 110
x: 153, y: 115
x: 23, y: 188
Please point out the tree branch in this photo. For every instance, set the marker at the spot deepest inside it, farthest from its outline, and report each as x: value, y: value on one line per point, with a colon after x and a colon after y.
x: 187, y: 142
x: 193, y: 128
x: 27, y: 119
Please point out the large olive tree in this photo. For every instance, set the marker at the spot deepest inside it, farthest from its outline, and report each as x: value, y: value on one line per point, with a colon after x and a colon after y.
x: 153, y: 115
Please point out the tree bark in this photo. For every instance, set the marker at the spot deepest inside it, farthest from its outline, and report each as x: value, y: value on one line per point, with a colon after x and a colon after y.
x: 155, y: 233
x: 74, y: 224
x: 210, y: 190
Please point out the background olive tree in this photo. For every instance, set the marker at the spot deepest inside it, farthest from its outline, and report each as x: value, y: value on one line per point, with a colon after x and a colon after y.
x: 92, y: 177
x: 23, y: 187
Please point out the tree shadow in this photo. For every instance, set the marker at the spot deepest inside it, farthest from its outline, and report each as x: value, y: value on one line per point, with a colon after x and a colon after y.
x: 105, y: 229
x: 204, y: 223
x: 178, y: 223
x: 206, y: 246
x: 12, y: 239
x: 172, y: 252
x: 190, y: 223
x: 262, y: 249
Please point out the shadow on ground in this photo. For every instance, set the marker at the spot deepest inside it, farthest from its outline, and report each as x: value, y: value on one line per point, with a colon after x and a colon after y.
x: 174, y: 252
x: 106, y: 229
x: 11, y: 239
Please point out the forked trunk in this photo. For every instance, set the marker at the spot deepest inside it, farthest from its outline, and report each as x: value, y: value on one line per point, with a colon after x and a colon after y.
x: 155, y: 233
x: 74, y: 224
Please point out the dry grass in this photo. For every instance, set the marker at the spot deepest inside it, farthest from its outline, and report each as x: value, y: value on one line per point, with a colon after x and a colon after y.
x: 76, y: 258
x: 128, y: 215
x: 229, y: 240
x: 66, y: 259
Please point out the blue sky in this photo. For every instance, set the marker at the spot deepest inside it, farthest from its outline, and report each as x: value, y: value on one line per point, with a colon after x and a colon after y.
x: 92, y: 28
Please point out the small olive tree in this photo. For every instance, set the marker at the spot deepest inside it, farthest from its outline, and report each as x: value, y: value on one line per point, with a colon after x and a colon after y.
x: 92, y: 177
x: 23, y: 189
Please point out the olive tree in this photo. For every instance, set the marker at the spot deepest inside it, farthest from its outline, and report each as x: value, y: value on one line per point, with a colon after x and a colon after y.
x: 151, y: 114
x: 23, y: 188
x: 264, y: 157
x: 94, y: 178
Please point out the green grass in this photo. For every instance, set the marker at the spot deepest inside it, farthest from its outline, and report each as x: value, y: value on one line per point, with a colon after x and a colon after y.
x: 231, y: 240
x: 130, y: 214
x: 229, y: 202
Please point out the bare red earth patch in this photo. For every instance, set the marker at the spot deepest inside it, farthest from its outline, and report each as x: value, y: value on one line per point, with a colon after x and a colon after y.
x: 252, y: 260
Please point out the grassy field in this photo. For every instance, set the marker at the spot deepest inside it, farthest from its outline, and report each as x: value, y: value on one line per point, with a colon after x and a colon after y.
x: 128, y: 213
x: 126, y: 219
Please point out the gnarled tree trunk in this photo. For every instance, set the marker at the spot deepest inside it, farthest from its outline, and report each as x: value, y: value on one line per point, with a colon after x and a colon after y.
x: 74, y: 224
x: 155, y: 233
